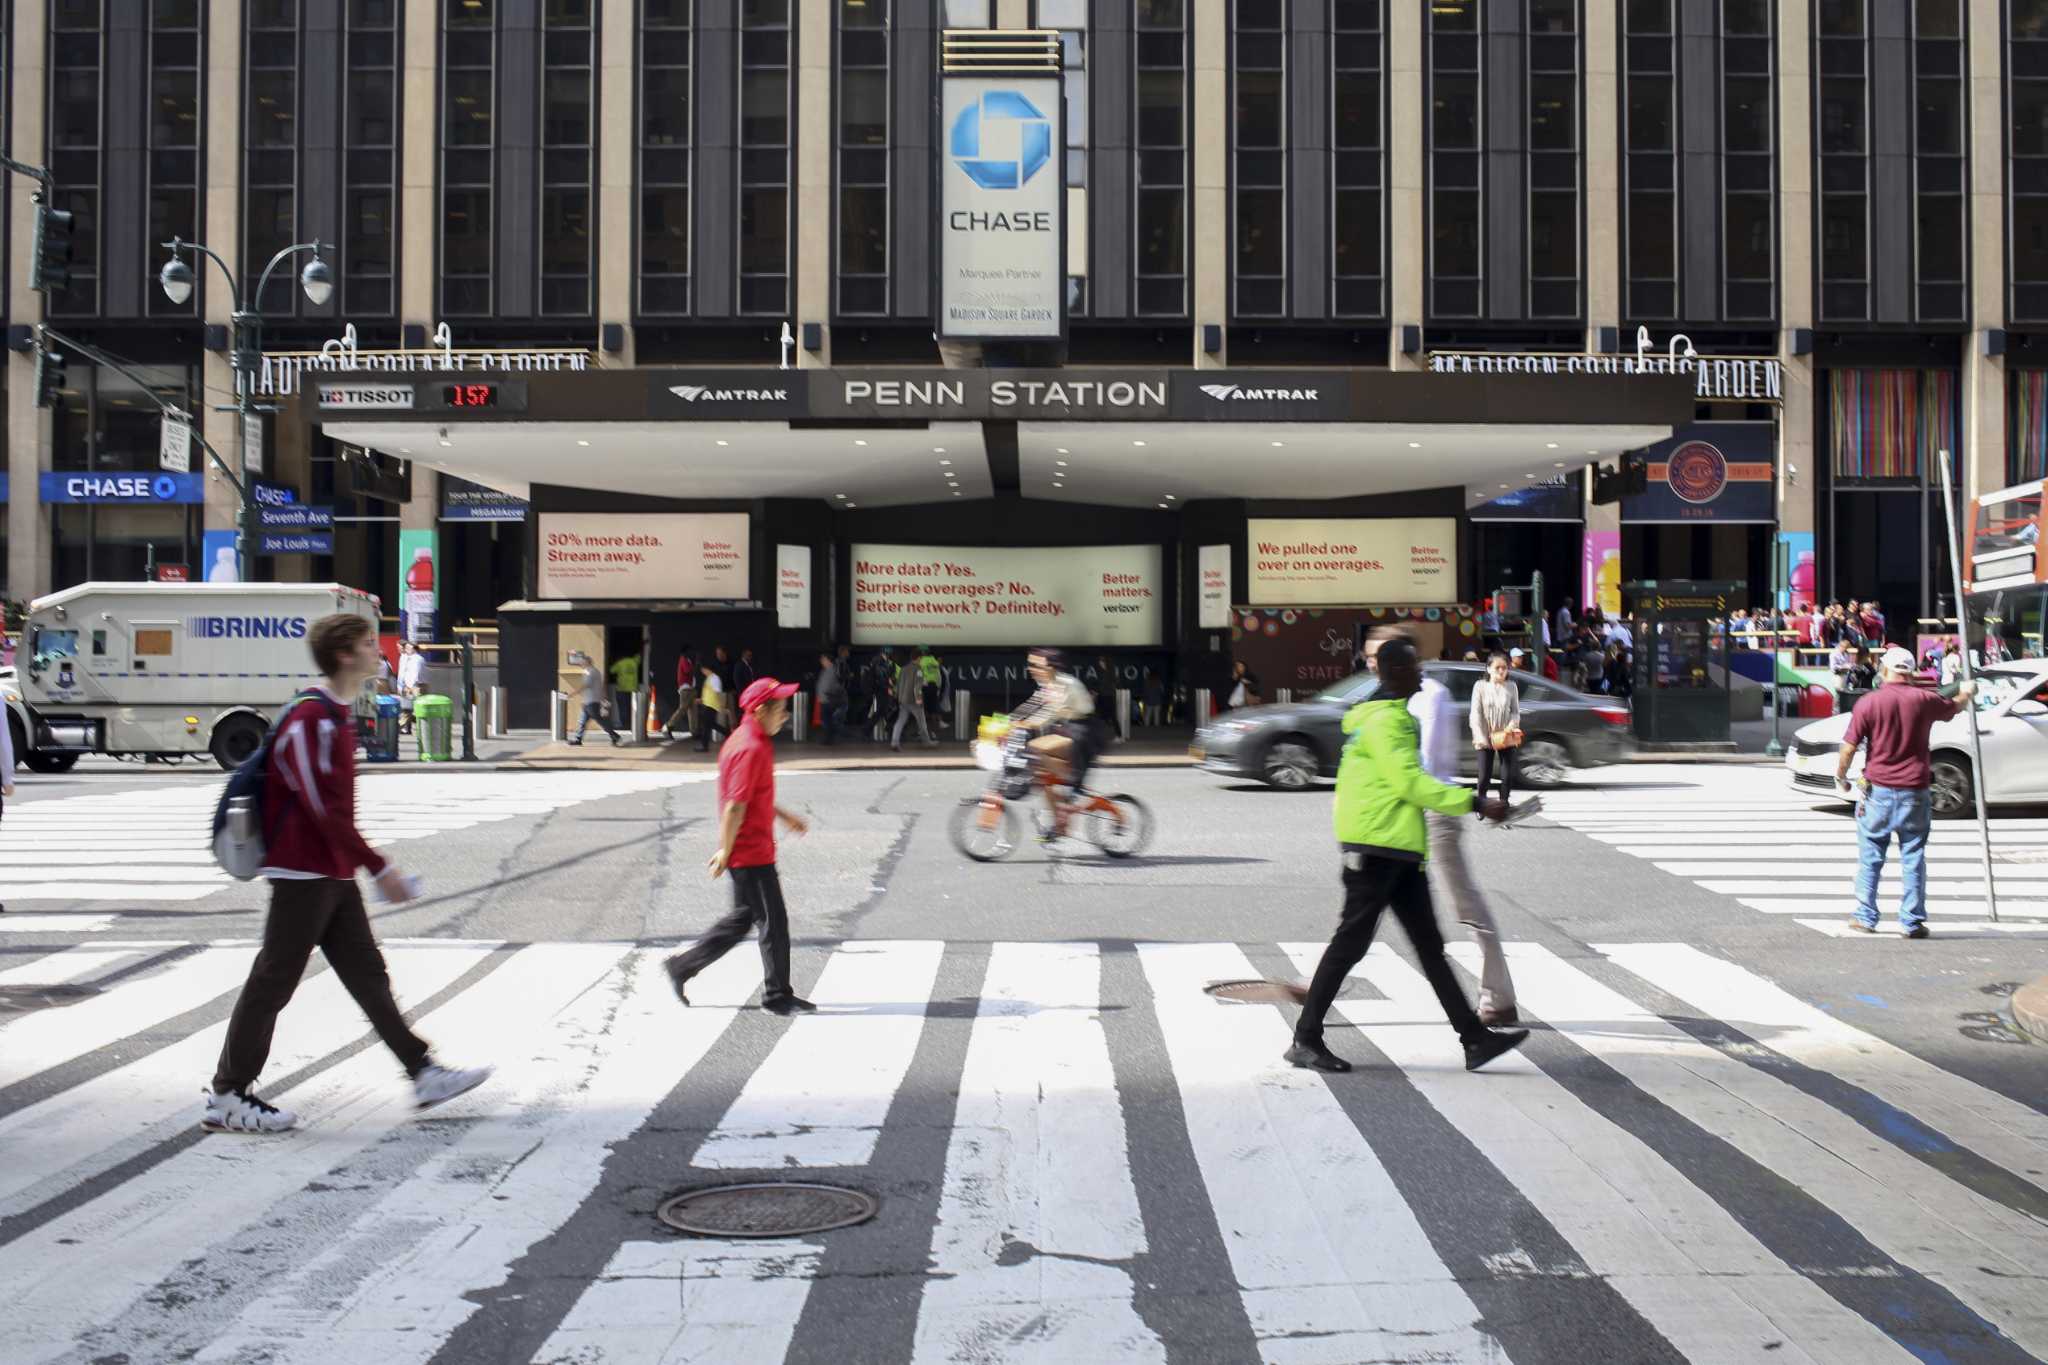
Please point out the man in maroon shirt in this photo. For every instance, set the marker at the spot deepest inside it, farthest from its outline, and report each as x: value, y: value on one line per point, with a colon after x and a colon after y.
x: 311, y: 852
x: 1893, y: 724
x: 746, y: 848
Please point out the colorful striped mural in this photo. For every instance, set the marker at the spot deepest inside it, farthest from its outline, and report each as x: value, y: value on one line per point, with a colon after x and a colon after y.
x: 1888, y: 424
x: 2026, y: 427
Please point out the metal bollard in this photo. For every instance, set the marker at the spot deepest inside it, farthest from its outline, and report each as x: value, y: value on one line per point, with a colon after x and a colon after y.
x: 497, y: 725
x: 1205, y: 710
x: 639, y: 730
x: 963, y: 715
x: 558, y: 729
x: 1123, y: 713
x: 1283, y: 695
x: 799, y: 716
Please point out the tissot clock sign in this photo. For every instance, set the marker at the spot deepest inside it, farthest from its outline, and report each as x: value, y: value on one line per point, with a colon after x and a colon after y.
x: 1002, y: 199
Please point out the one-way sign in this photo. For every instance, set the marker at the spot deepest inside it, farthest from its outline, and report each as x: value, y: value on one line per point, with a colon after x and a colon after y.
x: 174, y: 446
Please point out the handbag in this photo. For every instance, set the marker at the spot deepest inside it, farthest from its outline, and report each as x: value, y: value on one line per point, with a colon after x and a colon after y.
x: 1506, y: 739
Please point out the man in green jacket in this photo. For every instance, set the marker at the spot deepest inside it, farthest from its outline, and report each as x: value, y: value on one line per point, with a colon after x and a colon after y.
x: 1382, y: 792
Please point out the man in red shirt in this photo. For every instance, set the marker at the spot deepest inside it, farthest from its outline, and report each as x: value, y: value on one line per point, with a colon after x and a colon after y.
x: 746, y: 848
x: 312, y: 850
x: 1893, y: 724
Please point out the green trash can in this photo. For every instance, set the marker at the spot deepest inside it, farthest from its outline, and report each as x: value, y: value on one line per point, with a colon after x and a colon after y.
x: 433, y: 722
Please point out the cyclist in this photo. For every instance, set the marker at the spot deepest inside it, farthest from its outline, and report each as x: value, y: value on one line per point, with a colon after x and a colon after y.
x: 1065, y: 731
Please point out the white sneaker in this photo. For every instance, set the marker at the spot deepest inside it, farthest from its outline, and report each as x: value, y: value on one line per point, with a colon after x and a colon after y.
x: 437, y: 1084
x: 242, y: 1112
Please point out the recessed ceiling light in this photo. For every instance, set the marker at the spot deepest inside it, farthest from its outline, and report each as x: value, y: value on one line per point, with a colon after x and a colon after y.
x: 1550, y: 445
x: 853, y: 504
x: 1592, y: 452
x: 725, y: 443
x: 405, y: 450
x: 938, y: 450
x: 1061, y: 463
x: 1137, y: 443
x: 1162, y: 507
x: 1062, y: 449
x: 446, y: 442
x: 1171, y: 498
x: 583, y: 443
x: 1503, y: 485
x: 945, y: 462
x: 1558, y: 465
x: 860, y: 443
x: 1278, y: 444
x: 956, y: 493
x: 1415, y: 445
x: 840, y: 496
x: 1059, y: 485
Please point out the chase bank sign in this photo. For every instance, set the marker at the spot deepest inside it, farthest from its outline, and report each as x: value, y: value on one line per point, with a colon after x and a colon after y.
x: 58, y: 486
x: 1002, y: 219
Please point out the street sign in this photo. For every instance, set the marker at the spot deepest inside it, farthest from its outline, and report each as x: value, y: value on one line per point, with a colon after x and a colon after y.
x: 252, y: 442
x: 174, y: 446
x: 295, y: 543
x: 173, y: 573
x: 297, y: 516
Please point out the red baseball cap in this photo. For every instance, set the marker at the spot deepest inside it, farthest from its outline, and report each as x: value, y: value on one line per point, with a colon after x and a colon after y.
x: 764, y: 690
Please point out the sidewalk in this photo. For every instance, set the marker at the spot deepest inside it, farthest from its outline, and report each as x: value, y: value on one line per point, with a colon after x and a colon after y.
x: 1143, y: 751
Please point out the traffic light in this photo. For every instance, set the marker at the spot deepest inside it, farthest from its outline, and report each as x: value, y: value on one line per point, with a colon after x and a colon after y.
x: 49, y: 375
x: 49, y: 262
x: 1628, y: 480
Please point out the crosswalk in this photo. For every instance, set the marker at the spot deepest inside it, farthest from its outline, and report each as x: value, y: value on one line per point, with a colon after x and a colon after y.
x: 1082, y: 1156
x: 153, y: 845
x: 1783, y: 853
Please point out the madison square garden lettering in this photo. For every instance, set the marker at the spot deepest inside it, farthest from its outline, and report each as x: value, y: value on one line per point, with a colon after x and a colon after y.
x: 1002, y: 208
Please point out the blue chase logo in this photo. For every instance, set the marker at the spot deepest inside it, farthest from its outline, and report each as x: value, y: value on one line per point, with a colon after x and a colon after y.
x: 989, y: 127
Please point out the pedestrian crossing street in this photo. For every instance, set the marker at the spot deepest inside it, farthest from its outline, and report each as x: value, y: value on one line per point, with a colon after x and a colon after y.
x: 1741, y: 833
x: 1074, y: 1144
x: 154, y: 845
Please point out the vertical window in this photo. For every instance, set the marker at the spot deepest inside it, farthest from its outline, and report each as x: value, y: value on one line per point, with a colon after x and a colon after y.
x: 2026, y: 94
x: 565, y: 137
x: 469, y: 52
x: 1070, y: 17
x: 1454, y: 148
x: 1553, y: 158
x: 1650, y: 161
x: 664, y: 232
x: 173, y: 162
x: 76, y: 61
x: 270, y: 138
x: 764, y: 97
x: 1357, y: 155
x: 1160, y: 136
x: 1258, y: 135
x: 1842, y: 135
x: 1748, y: 164
x: 370, y: 162
x: 863, y: 147
x: 1940, y: 226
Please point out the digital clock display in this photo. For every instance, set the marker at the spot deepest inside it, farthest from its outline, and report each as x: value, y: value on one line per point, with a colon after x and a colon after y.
x: 470, y: 395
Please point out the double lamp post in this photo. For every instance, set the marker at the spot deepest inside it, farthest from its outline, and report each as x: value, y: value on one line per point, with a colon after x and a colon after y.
x: 245, y: 351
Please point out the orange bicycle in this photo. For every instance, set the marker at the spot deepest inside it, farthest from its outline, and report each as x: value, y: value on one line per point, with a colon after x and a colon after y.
x: 985, y: 827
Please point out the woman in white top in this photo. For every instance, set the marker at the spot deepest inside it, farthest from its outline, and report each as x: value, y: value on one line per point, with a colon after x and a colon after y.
x: 6, y: 765
x: 1496, y: 725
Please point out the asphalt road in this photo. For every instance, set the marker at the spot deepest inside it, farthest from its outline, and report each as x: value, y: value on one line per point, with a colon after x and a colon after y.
x: 1761, y: 1142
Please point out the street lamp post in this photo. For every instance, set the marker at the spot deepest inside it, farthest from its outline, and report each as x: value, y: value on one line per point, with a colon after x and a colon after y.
x: 245, y: 353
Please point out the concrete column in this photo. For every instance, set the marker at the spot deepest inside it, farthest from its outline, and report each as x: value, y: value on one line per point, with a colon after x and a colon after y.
x: 1603, y: 172
x: 1209, y: 210
x: 617, y: 144
x: 814, y: 141
x: 1407, y: 242
x: 28, y: 426
x: 1982, y: 463
x: 1799, y: 461
x: 221, y: 229
x: 418, y: 213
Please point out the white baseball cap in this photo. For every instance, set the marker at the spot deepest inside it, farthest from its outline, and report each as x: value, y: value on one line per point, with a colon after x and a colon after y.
x: 1515, y: 653
x: 1896, y: 660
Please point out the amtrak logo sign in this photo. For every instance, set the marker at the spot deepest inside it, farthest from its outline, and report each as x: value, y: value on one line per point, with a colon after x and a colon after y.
x: 1239, y: 393
x: 1002, y: 209
x: 1001, y: 120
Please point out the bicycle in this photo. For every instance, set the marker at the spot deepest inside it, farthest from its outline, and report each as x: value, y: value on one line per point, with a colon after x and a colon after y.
x: 984, y: 827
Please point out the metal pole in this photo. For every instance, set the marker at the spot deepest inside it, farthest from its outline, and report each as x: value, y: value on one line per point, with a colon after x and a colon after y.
x: 1537, y: 652
x: 1776, y: 748
x: 468, y: 699
x: 1955, y: 558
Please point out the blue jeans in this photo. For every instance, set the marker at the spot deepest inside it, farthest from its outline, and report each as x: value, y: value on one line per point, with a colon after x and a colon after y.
x: 1887, y: 811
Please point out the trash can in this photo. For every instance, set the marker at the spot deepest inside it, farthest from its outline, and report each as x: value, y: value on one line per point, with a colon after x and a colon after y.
x: 380, y: 744
x: 433, y: 718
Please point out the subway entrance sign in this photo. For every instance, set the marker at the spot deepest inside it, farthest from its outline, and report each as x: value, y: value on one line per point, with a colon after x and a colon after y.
x: 1682, y: 693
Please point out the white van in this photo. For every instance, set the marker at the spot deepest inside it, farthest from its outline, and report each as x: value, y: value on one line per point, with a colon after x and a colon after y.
x: 163, y: 669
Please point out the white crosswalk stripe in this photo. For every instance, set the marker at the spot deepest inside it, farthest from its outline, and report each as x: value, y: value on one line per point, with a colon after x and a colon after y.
x: 371, y: 1235
x: 154, y: 846
x: 1780, y: 853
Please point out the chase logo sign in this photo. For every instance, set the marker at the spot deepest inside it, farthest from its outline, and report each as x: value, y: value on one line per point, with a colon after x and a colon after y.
x: 56, y: 486
x: 1001, y: 140
x: 245, y: 627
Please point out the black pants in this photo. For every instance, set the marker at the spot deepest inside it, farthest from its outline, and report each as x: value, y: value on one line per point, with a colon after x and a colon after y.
x: 594, y: 711
x: 1489, y: 761
x: 1371, y: 885
x: 833, y: 715
x: 305, y: 914
x: 756, y: 900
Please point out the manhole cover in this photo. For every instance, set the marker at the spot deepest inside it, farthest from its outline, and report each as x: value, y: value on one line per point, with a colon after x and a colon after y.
x: 771, y: 1209
x: 15, y: 999
x: 1259, y: 991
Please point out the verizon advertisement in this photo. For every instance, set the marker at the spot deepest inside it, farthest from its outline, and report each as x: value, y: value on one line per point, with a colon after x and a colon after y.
x: 1064, y: 595
x: 1213, y: 613
x: 657, y: 555
x: 1408, y: 561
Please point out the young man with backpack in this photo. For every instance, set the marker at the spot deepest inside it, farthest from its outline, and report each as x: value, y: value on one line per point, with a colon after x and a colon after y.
x: 311, y: 852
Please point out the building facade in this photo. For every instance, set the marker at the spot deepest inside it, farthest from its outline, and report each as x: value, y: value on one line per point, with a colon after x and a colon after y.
x: 1854, y: 190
